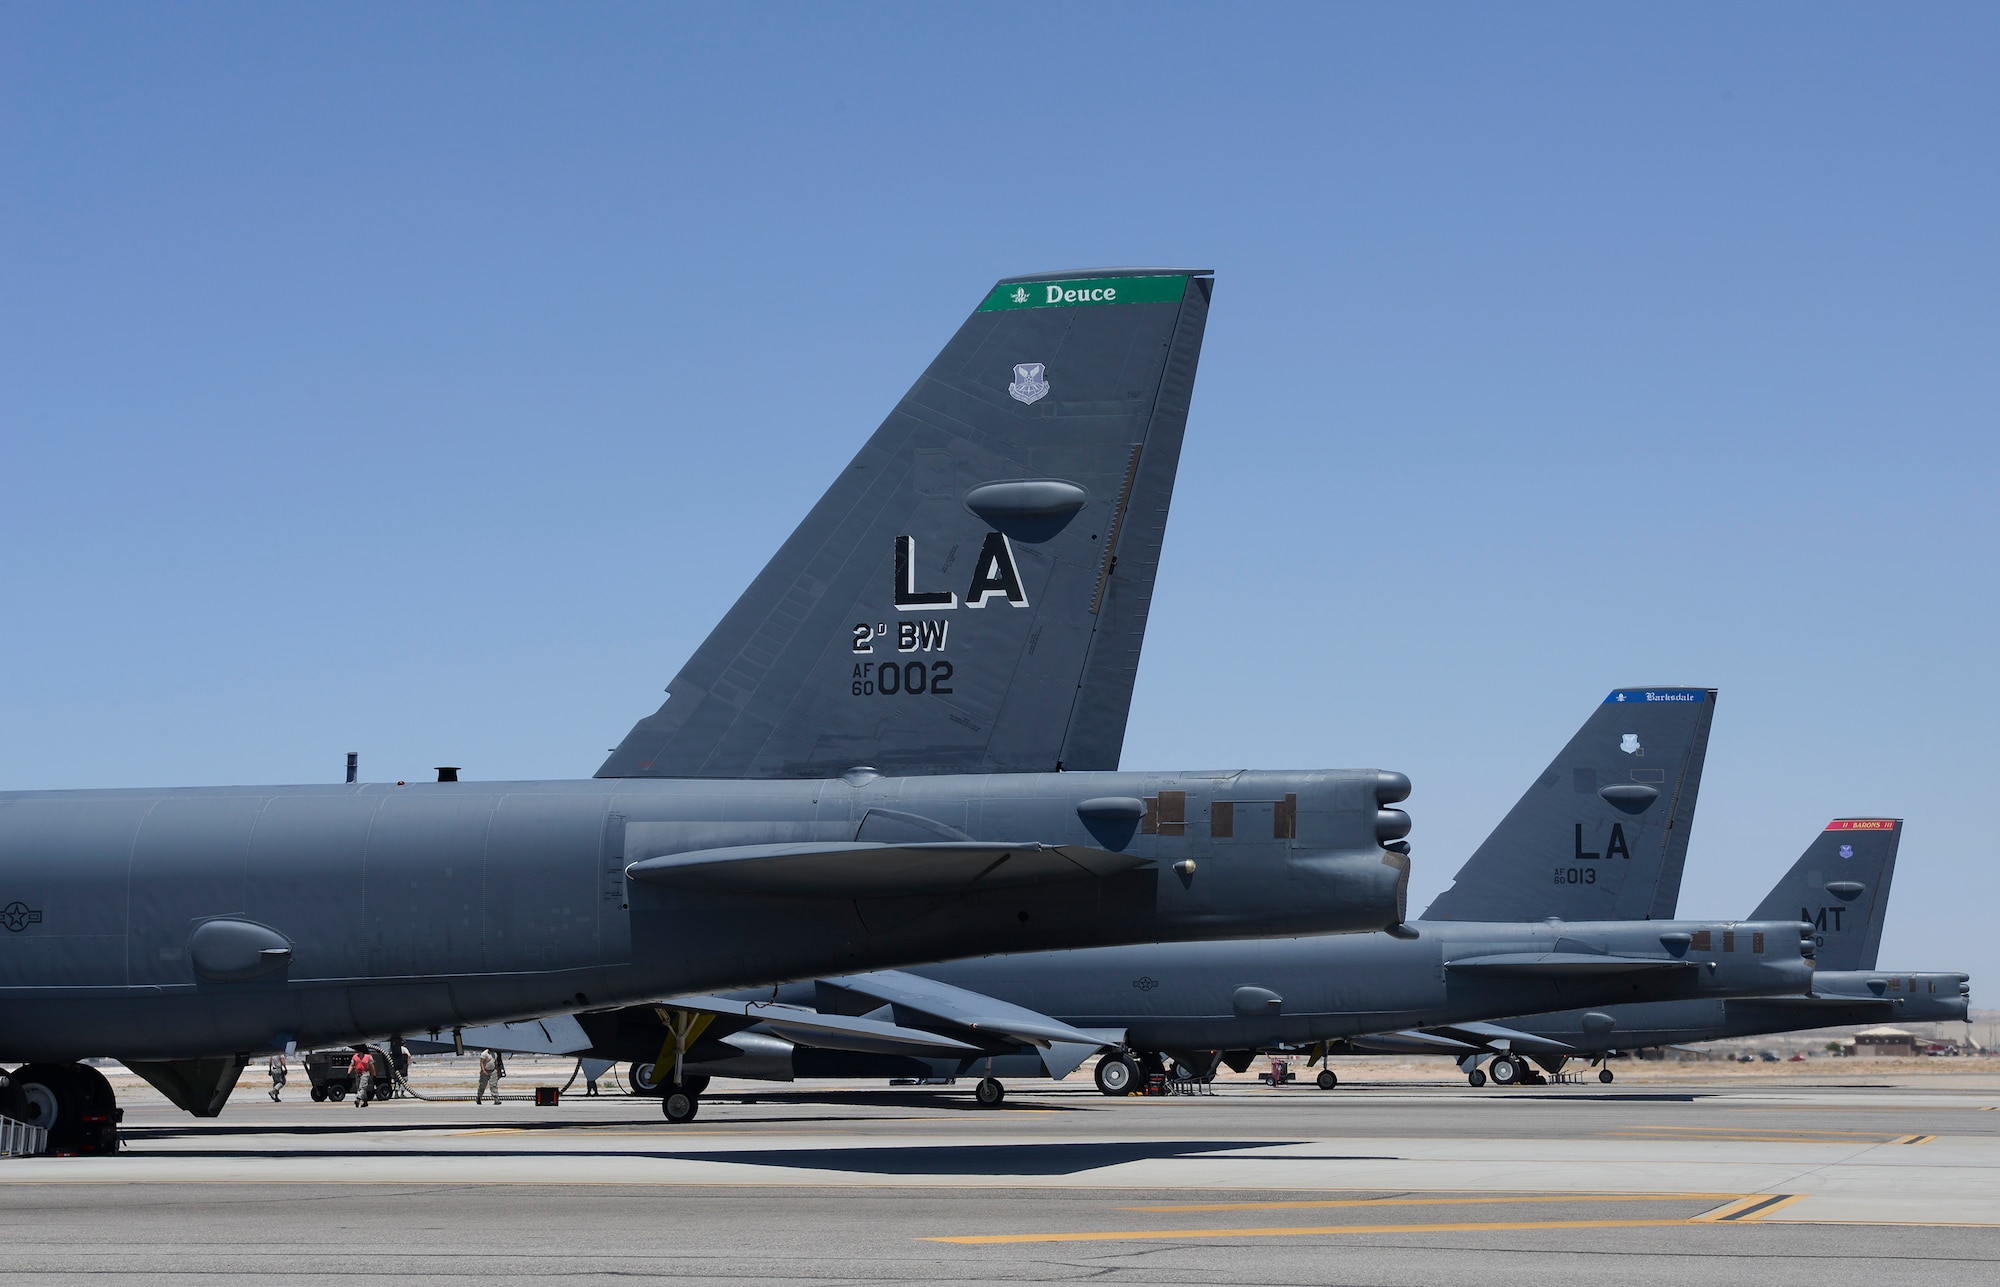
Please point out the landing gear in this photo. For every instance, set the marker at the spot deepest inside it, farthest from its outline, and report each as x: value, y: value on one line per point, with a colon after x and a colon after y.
x: 1604, y: 1075
x: 1117, y: 1074
x: 989, y: 1092
x: 1326, y: 1079
x: 72, y: 1102
x: 1475, y: 1078
x: 680, y: 1104
x: 643, y: 1078
x: 1507, y: 1071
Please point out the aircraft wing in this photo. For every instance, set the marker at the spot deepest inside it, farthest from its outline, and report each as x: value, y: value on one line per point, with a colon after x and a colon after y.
x: 1823, y: 1000
x: 828, y: 1031
x: 856, y: 869
x: 558, y: 1034
x: 1562, y: 965
x: 1409, y: 1042
x: 959, y: 1007
x: 1491, y: 1036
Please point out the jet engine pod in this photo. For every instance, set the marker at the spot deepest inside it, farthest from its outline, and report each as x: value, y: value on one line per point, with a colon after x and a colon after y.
x: 1391, y: 787
x: 1027, y: 509
x: 230, y: 951
x: 1391, y: 824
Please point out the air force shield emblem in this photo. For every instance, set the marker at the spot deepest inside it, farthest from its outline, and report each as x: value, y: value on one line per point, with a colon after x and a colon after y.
x: 1028, y: 386
x: 1847, y: 851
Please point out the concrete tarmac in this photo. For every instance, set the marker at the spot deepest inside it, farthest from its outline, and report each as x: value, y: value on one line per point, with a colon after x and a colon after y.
x: 1848, y: 1179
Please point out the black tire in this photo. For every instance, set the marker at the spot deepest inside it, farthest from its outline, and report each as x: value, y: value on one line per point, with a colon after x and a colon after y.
x: 989, y: 1092
x: 696, y: 1084
x: 336, y: 1093
x: 1505, y: 1072
x: 640, y: 1078
x: 1117, y: 1075
x: 99, y: 1105
x: 1326, y: 1079
x: 48, y: 1101
x: 1604, y: 1075
x: 319, y: 1094
x: 1476, y: 1078
x: 680, y: 1105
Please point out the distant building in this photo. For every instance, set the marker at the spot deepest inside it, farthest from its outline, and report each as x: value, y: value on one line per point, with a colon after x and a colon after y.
x: 1884, y: 1041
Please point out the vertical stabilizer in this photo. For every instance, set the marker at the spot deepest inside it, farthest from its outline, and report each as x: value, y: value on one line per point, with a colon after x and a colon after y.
x: 970, y: 594
x: 1603, y: 833
x: 1841, y: 885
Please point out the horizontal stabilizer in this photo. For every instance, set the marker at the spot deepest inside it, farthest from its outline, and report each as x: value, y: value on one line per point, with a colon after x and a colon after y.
x: 962, y: 1008
x: 828, y: 1031
x: 853, y: 869
x: 1563, y: 965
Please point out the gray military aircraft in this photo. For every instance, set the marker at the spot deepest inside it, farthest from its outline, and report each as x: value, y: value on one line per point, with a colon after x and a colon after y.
x: 1840, y: 886
x: 1585, y: 853
x: 898, y: 746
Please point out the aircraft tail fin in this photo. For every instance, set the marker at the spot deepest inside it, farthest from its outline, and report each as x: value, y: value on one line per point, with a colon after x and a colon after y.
x: 1841, y: 885
x: 971, y: 594
x: 1603, y: 833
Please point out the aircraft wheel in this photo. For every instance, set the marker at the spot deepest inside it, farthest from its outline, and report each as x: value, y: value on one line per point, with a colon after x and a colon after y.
x: 696, y: 1084
x: 319, y: 1094
x: 72, y: 1102
x: 43, y: 1090
x: 1505, y: 1072
x: 989, y: 1093
x: 1604, y: 1075
x: 1476, y: 1078
x: 680, y: 1104
x: 1326, y: 1079
x: 1117, y: 1074
x: 640, y: 1078
x: 97, y: 1104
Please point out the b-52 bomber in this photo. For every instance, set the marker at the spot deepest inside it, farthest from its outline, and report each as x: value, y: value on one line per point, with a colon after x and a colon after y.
x: 1551, y: 905
x: 898, y: 746
x: 1839, y: 886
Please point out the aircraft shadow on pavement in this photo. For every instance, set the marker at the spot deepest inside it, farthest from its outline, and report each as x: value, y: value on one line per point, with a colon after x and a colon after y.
x: 936, y: 1159
x: 974, y: 1159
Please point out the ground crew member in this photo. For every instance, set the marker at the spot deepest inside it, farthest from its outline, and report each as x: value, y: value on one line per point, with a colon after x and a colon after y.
x: 363, y: 1068
x: 276, y: 1067
x: 489, y: 1076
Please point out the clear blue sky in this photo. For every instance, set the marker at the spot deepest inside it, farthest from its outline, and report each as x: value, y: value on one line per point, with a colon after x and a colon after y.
x: 426, y: 380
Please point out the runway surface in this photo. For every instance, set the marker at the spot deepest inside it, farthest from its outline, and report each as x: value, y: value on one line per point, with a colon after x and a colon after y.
x: 1854, y: 1181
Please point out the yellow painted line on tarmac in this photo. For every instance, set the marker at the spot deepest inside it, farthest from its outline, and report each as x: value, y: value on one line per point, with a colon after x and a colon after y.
x: 1788, y: 1130
x: 1447, y: 1202
x: 1731, y: 1139
x: 1156, y: 1235
x: 1740, y: 1208
x: 1751, y: 1206
x: 1914, y: 1139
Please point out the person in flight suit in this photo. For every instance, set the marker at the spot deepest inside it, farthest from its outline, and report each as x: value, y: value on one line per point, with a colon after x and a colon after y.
x: 489, y: 1076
